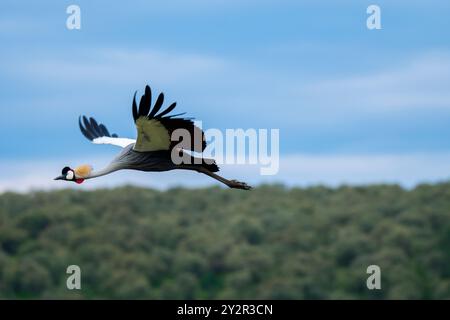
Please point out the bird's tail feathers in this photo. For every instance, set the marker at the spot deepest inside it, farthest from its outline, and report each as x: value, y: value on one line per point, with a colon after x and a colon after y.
x: 210, y: 165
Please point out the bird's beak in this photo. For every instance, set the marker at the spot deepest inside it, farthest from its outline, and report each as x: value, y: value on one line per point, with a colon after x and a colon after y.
x: 59, y: 178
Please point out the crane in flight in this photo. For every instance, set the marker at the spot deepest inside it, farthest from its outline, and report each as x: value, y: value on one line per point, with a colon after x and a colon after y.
x: 154, y: 149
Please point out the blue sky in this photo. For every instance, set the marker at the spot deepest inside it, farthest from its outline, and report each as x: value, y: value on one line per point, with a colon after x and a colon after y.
x: 353, y: 105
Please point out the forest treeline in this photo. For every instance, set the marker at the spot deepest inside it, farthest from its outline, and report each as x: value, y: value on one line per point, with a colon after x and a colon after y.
x: 270, y: 243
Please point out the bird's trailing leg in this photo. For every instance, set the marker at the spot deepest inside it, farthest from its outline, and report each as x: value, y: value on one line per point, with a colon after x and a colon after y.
x: 230, y: 183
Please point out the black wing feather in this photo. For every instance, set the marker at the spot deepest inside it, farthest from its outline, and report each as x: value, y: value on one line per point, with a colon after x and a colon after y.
x: 158, y: 104
x: 135, y: 110
x: 91, y: 129
x: 170, y: 122
x: 84, y: 131
x: 87, y: 125
x: 146, y: 101
x: 105, y: 131
x: 95, y: 127
x: 197, y: 143
x: 170, y: 108
x: 176, y: 115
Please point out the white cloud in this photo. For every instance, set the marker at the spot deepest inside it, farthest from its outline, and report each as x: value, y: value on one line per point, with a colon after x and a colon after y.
x: 418, y: 83
x: 208, y: 84
x: 295, y: 170
x: 116, y: 66
x: 405, y: 169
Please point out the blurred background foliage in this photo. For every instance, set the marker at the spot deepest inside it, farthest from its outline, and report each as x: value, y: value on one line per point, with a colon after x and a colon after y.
x: 272, y: 242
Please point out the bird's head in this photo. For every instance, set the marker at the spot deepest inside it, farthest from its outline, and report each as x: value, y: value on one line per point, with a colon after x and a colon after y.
x: 69, y: 174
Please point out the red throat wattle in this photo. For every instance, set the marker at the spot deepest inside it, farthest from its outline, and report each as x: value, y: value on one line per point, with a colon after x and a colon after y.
x: 79, y: 181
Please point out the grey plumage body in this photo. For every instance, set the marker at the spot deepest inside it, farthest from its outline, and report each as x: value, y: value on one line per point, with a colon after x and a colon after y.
x: 154, y: 161
x: 143, y: 161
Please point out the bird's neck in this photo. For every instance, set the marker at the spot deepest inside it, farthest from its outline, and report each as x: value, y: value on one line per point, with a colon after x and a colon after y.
x: 102, y: 172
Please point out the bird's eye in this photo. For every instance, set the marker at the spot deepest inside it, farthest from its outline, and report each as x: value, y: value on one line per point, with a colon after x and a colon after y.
x: 69, y: 175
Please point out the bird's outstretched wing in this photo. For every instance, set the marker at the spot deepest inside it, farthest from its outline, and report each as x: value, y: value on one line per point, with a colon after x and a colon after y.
x: 154, y: 130
x: 98, y: 134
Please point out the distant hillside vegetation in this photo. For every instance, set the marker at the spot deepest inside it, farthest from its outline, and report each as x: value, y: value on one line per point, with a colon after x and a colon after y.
x: 272, y: 242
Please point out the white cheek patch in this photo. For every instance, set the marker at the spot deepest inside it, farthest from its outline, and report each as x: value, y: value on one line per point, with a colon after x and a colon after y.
x: 69, y: 175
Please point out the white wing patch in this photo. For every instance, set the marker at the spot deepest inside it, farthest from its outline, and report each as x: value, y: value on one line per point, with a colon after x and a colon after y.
x: 120, y: 142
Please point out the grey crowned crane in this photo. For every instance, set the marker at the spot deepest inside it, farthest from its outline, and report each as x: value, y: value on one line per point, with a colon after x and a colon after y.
x: 154, y: 149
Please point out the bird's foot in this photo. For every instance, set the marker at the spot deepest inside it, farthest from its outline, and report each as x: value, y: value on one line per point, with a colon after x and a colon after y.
x: 239, y: 185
